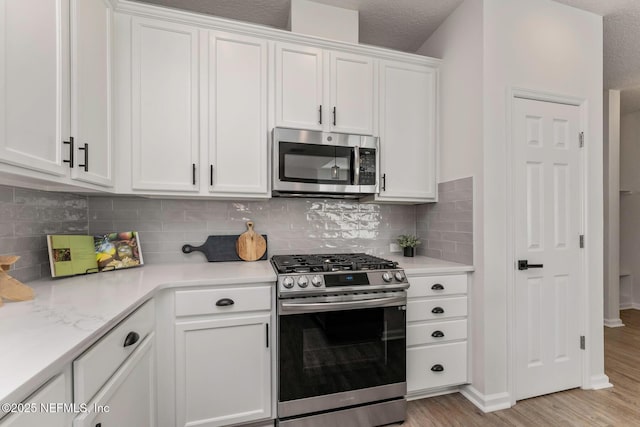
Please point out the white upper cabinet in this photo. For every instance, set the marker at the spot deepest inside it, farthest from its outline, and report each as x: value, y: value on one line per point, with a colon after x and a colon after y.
x: 408, y: 132
x: 164, y: 116
x: 34, y: 84
x: 91, y: 23
x: 299, y: 91
x: 237, y: 144
x: 352, y: 93
x: 324, y: 90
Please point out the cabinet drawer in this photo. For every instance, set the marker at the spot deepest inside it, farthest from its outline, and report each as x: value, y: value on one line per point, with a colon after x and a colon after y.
x: 423, y: 363
x: 437, y: 308
x: 431, y: 286
x: 436, y: 332
x: 222, y: 300
x: 96, y: 365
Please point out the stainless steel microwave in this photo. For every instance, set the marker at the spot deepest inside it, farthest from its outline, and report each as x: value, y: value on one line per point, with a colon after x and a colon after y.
x: 322, y: 164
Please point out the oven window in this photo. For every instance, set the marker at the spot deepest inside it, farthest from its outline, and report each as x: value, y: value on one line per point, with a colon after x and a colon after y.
x: 316, y: 164
x: 331, y: 352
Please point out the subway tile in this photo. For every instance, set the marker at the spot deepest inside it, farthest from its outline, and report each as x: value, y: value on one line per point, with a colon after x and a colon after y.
x: 456, y: 195
x: 100, y: 203
x: 464, y: 226
x: 444, y: 187
x: 456, y: 257
x: 135, y: 203
x: 464, y: 249
x: 6, y: 194
x: 442, y: 225
x: 184, y: 226
x: 464, y: 184
x: 457, y: 237
x: 464, y: 205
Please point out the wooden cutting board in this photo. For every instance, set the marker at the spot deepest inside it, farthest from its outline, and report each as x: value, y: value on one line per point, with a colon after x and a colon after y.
x: 250, y: 245
x: 219, y: 248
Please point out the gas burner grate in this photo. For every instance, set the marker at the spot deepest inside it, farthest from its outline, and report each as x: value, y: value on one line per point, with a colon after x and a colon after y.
x: 321, y: 263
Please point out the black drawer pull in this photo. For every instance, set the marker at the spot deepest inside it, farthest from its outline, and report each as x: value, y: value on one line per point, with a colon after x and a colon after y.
x: 224, y: 302
x: 437, y: 310
x: 437, y: 368
x: 437, y: 334
x: 437, y: 287
x: 131, y: 339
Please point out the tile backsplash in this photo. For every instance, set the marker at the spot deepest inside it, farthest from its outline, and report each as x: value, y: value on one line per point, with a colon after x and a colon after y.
x: 27, y: 216
x: 446, y: 228
x: 292, y: 225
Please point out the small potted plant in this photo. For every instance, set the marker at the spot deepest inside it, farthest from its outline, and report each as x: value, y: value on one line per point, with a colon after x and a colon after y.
x: 408, y: 244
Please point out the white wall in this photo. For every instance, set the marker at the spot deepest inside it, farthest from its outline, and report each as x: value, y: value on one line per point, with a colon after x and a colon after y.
x: 458, y: 42
x: 545, y: 46
x: 630, y: 203
x: 489, y: 47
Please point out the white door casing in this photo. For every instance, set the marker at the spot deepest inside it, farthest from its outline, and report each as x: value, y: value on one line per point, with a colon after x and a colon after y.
x: 548, y: 221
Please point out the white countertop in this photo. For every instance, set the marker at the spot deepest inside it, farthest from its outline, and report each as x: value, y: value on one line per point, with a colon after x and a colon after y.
x: 38, y: 338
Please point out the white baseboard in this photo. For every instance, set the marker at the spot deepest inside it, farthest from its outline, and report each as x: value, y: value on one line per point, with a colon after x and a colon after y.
x: 486, y: 403
x: 598, y: 382
x: 424, y: 395
x: 630, y: 306
x: 613, y: 323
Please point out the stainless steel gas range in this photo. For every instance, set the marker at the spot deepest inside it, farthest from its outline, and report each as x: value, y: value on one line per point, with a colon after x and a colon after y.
x: 341, y: 340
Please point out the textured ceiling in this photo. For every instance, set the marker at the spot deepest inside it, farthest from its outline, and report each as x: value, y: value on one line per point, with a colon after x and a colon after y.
x: 405, y: 24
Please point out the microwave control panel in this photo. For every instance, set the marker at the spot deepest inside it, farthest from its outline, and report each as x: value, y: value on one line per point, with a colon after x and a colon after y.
x: 367, y: 166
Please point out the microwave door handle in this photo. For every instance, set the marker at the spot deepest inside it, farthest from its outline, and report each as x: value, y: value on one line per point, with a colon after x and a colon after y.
x: 356, y: 165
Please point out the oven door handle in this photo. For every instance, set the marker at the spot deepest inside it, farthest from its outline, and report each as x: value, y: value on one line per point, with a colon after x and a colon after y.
x: 310, y: 307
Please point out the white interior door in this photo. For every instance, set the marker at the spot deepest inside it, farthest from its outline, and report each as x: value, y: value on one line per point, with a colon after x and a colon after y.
x: 548, y: 224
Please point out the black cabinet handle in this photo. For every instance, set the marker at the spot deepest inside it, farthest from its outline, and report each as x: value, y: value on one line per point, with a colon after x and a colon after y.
x: 267, y: 334
x: 437, y: 310
x: 193, y: 173
x: 320, y: 114
x: 384, y: 182
x: 334, y: 116
x: 437, y: 368
x: 437, y: 287
x: 523, y: 264
x: 131, y: 339
x: 71, y: 149
x: 211, y: 175
x: 224, y: 302
x: 86, y: 157
x: 437, y: 334
x: 99, y: 425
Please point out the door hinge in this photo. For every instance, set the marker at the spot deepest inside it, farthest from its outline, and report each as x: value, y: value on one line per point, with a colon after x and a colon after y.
x: 581, y: 137
x: 581, y: 241
x: 582, y: 342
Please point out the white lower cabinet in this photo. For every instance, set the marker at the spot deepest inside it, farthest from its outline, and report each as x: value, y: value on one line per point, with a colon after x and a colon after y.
x: 437, y: 330
x: 215, y: 356
x: 44, y: 407
x: 115, y: 379
x: 128, y: 398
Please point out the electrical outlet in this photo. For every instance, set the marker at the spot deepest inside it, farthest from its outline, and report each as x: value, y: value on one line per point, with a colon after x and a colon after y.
x: 394, y: 247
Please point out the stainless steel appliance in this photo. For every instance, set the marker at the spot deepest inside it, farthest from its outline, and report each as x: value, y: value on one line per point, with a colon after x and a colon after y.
x: 341, y: 340
x: 321, y: 164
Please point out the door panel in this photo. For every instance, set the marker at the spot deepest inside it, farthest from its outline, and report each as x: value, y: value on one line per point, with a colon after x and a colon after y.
x: 165, y: 110
x: 34, y: 84
x: 238, y: 114
x: 299, y: 87
x: 548, y: 223
x: 91, y: 90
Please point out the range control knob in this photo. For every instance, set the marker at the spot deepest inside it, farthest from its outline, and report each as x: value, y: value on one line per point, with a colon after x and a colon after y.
x: 303, y: 282
x: 316, y: 281
x: 399, y: 277
x: 287, y: 282
x: 386, y: 277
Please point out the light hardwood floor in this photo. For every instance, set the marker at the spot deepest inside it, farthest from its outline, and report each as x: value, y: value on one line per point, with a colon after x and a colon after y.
x: 617, y: 406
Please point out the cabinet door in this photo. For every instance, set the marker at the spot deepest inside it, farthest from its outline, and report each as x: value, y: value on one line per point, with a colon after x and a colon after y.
x: 299, y: 87
x: 223, y: 371
x: 164, y: 106
x: 56, y: 392
x: 237, y: 115
x: 408, y: 132
x: 127, y: 399
x: 34, y: 84
x: 352, y: 94
x: 91, y: 91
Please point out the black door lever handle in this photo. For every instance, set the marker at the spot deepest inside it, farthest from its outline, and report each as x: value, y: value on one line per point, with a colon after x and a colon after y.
x: 523, y: 264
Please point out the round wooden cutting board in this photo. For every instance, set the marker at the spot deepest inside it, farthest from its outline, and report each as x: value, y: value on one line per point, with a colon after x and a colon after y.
x: 250, y: 245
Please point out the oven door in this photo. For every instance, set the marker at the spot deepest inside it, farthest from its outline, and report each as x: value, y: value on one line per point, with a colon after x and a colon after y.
x: 337, y: 352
